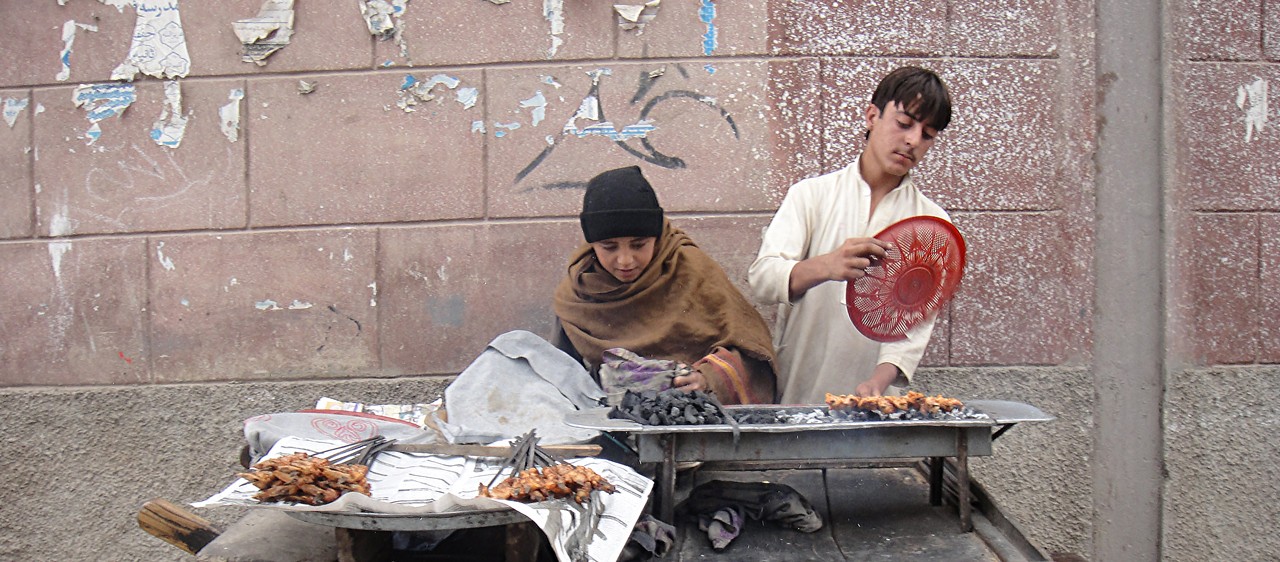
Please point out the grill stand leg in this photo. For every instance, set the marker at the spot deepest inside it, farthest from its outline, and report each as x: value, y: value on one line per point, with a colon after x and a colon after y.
x: 962, y: 481
x: 935, y: 480
x: 667, y: 480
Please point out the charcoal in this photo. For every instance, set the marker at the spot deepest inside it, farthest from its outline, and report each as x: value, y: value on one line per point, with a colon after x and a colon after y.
x: 669, y: 407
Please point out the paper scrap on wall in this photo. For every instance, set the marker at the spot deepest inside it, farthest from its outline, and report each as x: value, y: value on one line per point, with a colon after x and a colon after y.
x: 12, y: 107
x: 229, y: 115
x: 172, y: 124
x: 414, y: 91
x: 636, y: 16
x: 1252, y: 99
x: 101, y: 101
x: 553, y: 10
x: 467, y: 97
x: 159, y: 46
x: 267, y: 32
x: 68, y: 38
x: 383, y: 19
x: 538, y: 106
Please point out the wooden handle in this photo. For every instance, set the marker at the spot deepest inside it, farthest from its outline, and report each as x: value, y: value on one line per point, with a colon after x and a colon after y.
x: 175, y: 525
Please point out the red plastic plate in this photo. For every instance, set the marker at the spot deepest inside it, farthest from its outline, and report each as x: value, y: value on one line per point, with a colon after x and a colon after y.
x: 916, y: 279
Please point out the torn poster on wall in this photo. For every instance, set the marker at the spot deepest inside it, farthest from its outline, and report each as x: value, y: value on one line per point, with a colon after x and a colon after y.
x: 538, y: 106
x: 101, y: 101
x: 414, y: 91
x: 69, y: 37
x: 383, y: 19
x: 636, y: 16
x: 265, y: 33
x: 229, y: 115
x: 159, y: 46
x: 172, y: 124
x: 12, y: 107
x: 553, y: 10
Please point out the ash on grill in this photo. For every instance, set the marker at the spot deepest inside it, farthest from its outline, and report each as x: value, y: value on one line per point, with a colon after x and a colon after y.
x: 913, y: 406
x: 671, y: 407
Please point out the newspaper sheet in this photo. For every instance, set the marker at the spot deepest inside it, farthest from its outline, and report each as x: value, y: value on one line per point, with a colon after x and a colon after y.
x: 407, y: 483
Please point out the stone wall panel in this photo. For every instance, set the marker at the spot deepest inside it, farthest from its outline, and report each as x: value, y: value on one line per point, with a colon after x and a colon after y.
x: 76, y: 312
x: 1225, y: 286
x: 451, y: 290
x: 124, y: 181
x: 699, y: 28
x: 1012, y: 306
x: 16, y: 155
x: 711, y: 147
x: 988, y: 159
x: 453, y: 33
x: 1208, y: 30
x: 264, y: 305
x: 347, y: 153
x: 1224, y: 144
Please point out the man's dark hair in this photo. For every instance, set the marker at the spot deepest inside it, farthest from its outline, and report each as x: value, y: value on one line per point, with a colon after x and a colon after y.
x: 921, y: 93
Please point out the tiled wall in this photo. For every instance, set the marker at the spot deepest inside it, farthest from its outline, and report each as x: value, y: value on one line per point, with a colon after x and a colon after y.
x: 341, y: 236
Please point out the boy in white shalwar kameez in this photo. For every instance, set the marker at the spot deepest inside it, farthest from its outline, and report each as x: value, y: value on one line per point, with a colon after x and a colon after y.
x: 821, y: 238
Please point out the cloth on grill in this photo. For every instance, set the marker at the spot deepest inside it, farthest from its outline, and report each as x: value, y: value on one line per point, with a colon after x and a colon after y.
x: 722, y: 506
x: 518, y: 383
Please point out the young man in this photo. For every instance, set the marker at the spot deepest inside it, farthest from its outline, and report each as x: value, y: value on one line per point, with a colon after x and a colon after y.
x: 821, y: 238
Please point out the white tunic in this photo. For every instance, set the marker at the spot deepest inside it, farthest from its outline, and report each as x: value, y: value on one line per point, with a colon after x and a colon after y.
x: 819, y: 349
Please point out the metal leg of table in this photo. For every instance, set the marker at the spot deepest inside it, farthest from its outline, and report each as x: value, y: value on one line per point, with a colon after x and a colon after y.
x: 936, y: 467
x: 962, y: 481
x: 665, y: 502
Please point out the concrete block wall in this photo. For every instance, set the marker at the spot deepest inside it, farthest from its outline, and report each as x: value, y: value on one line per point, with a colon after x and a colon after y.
x: 1224, y: 337
x: 342, y: 245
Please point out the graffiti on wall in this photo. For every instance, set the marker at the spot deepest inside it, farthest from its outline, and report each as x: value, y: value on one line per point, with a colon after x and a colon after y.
x: 632, y: 139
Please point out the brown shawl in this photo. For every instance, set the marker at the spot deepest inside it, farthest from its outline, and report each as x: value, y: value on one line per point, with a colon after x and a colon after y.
x: 682, y: 307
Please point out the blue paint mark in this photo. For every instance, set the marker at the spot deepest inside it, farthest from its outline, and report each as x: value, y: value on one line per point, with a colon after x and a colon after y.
x: 707, y: 13
x: 66, y: 58
x: 409, y: 81
x: 155, y: 134
x: 499, y: 134
x: 710, y: 69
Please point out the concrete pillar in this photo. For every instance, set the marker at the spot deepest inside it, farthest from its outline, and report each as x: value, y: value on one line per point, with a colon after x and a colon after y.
x: 1129, y: 322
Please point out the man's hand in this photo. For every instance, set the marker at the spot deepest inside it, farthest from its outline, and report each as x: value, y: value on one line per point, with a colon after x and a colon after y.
x: 695, y: 380
x: 849, y: 262
x: 881, y: 378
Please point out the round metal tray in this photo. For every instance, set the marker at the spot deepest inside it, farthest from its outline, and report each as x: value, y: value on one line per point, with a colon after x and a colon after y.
x: 455, y: 519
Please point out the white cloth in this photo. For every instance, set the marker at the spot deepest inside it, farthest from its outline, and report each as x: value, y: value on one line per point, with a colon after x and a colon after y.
x: 819, y: 350
x: 518, y: 383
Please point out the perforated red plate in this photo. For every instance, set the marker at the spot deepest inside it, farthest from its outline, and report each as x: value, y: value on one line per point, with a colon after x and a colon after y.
x: 919, y: 275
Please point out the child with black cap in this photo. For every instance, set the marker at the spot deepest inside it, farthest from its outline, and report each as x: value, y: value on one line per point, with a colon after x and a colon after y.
x: 641, y: 284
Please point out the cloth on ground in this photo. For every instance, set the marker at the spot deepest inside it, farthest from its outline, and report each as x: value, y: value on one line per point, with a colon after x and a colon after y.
x: 520, y: 382
x: 722, y: 506
x: 649, y: 538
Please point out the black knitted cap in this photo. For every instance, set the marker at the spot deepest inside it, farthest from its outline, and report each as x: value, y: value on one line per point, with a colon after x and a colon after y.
x: 620, y: 203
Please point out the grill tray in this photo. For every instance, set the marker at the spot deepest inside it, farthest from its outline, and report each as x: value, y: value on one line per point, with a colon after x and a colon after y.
x: 999, y: 412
